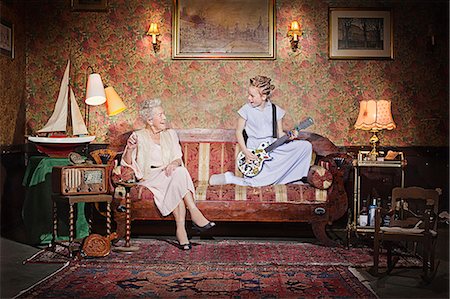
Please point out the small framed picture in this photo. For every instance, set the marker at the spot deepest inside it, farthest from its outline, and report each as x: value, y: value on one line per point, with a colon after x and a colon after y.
x: 89, y: 5
x: 7, y: 38
x: 360, y: 33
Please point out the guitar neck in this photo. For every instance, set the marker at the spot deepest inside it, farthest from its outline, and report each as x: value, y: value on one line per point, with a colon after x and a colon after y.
x: 277, y: 143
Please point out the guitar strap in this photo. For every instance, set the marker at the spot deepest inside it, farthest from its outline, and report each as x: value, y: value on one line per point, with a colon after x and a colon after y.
x: 274, y: 121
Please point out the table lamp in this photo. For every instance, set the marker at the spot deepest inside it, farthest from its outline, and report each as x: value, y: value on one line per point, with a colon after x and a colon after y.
x: 374, y: 116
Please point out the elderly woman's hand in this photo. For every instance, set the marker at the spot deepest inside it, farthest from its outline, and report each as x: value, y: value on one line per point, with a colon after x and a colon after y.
x: 170, y: 168
x: 132, y: 141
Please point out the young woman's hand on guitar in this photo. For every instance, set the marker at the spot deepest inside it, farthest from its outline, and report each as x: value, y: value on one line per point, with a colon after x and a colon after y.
x: 249, y: 156
x: 293, y: 134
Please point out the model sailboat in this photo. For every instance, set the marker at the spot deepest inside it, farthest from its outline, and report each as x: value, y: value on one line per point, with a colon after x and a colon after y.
x: 61, y: 146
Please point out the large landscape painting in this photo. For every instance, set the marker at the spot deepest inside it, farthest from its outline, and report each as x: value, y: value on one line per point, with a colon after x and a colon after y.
x: 224, y: 29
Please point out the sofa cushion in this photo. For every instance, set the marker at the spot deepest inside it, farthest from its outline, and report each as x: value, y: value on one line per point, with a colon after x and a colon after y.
x: 320, y: 177
x: 291, y: 193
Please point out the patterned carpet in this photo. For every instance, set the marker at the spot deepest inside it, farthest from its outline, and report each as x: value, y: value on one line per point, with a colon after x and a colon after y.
x: 192, y: 280
x: 233, y: 252
x: 212, y: 269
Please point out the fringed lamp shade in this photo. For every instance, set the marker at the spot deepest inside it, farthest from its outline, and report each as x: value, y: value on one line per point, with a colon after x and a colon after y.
x: 374, y: 116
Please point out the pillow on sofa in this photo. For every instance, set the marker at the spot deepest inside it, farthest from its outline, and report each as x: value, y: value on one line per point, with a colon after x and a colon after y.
x: 122, y: 174
x: 320, y: 177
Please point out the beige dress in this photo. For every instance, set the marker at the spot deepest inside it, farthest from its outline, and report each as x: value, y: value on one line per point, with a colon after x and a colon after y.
x: 148, y: 162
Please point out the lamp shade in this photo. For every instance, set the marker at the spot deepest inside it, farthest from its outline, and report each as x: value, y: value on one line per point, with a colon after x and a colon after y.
x: 95, y: 92
x: 375, y: 115
x: 114, y: 104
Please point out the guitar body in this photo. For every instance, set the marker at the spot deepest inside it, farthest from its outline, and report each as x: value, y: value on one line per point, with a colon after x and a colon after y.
x: 253, y: 168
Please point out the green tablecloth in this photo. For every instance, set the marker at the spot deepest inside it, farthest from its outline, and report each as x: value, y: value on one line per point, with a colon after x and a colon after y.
x: 38, y: 209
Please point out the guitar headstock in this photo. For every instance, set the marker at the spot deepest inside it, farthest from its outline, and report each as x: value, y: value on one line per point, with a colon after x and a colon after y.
x: 307, y: 122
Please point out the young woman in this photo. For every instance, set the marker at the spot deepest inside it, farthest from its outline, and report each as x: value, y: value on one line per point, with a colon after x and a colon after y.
x: 154, y: 153
x: 290, y: 161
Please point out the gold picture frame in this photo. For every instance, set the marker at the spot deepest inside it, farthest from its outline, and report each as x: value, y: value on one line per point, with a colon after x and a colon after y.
x: 6, y: 38
x: 360, y: 33
x: 226, y: 29
x: 89, y: 5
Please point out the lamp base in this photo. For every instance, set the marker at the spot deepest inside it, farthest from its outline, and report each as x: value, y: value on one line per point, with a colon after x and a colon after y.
x: 374, y: 140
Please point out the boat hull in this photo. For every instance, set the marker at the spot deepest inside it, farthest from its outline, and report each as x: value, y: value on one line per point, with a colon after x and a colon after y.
x: 59, y: 147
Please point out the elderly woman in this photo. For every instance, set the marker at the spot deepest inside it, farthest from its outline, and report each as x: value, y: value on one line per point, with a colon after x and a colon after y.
x: 154, y: 153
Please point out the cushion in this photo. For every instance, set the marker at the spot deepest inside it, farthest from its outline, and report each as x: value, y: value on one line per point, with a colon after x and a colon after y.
x: 320, y: 177
x: 122, y: 174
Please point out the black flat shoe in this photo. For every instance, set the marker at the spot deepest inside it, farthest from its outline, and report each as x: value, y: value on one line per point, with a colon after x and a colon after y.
x: 187, y: 246
x: 202, y: 229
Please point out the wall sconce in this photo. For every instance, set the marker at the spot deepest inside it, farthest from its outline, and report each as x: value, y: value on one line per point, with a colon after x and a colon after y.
x: 293, y: 33
x: 153, y: 31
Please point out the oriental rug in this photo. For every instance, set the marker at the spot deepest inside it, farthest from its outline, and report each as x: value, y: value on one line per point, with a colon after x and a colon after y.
x: 234, y: 252
x: 198, y: 280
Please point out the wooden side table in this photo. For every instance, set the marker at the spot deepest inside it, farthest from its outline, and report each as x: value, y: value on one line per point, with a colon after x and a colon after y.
x: 359, y: 164
x: 75, y: 199
x: 127, y: 247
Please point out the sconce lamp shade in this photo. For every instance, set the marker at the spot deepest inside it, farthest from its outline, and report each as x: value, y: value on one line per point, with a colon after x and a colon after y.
x: 114, y: 104
x: 153, y: 31
x: 295, y: 31
x: 95, y: 92
x: 375, y: 115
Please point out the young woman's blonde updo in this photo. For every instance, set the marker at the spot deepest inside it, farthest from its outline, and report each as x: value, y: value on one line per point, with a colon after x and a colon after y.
x: 263, y: 83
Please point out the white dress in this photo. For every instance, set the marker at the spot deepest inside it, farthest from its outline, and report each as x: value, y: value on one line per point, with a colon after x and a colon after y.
x: 290, y: 161
x: 148, y: 163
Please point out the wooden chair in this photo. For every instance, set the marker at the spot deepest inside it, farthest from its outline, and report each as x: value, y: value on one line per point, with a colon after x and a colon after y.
x: 103, y: 156
x: 413, y: 219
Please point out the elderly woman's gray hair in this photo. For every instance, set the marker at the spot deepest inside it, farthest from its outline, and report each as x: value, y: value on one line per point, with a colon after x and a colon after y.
x: 147, y: 107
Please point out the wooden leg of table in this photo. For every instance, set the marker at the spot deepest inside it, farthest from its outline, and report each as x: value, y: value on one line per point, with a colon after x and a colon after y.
x: 71, y: 228
x: 128, y: 221
x: 55, y: 223
x: 127, y: 247
x: 71, y: 223
x: 108, y: 218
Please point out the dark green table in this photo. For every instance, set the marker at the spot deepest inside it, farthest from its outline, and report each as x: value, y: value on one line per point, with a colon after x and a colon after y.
x: 37, y: 208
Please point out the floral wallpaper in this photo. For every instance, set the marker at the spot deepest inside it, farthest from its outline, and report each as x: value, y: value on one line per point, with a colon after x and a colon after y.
x: 207, y: 93
x: 12, y: 82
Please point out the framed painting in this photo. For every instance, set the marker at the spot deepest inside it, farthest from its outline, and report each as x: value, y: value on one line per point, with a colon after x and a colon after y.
x: 226, y: 29
x: 6, y: 38
x: 360, y: 33
x: 89, y: 5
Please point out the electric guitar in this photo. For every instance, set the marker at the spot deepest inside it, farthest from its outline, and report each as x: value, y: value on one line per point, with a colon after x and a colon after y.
x: 254, y: 167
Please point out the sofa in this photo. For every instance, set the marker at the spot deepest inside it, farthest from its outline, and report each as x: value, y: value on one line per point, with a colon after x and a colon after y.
x: 209, y: 151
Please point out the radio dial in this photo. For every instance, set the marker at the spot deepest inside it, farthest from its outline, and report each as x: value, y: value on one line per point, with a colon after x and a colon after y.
x: 89, y: 189
x: 67, y: 190
x: 78, y: 189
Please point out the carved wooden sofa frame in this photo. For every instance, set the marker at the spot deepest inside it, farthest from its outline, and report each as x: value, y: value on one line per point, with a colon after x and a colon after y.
x: 206, y: 152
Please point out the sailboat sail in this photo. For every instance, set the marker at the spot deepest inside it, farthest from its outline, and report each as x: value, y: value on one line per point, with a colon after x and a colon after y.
x: 62, y: 146
x: 78, y: 125
x: 58, y: 120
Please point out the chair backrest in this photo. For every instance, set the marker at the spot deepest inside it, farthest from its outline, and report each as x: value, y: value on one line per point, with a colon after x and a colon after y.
x: 410, y: 205
x: 103, y: 156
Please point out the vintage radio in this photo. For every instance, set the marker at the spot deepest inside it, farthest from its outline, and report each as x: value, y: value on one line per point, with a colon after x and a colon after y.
x: 80, y: 180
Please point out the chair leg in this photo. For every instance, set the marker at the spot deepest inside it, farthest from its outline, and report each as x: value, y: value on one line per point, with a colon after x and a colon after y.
x: 391, y: 260
x: 426, y: 258
x: 376, y: 256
